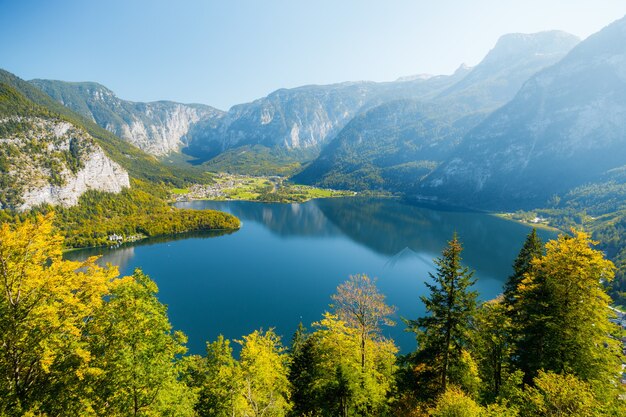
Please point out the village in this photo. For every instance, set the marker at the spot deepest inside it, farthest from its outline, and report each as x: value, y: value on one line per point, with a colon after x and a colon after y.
x: 252, y: 188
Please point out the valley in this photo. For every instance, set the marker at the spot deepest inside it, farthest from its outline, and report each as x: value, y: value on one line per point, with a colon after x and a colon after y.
x: 254, y: 188
x: 430, y: 245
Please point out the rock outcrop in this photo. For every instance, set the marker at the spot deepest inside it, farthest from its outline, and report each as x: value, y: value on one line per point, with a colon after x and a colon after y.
x: 51, y: 161
x: 158, y: 127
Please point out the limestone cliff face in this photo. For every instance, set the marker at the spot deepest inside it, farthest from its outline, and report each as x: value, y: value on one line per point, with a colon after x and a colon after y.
x: 161, y: 127
x: 158, y: 127
x: 51, y: 161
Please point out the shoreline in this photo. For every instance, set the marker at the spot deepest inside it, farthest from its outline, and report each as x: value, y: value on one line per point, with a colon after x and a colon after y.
x: 144, y: 238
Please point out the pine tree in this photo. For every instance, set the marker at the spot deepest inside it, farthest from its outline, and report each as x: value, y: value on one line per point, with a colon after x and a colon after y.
x: 443, y: 335
x: 302, y: 373
x: 533, y: 248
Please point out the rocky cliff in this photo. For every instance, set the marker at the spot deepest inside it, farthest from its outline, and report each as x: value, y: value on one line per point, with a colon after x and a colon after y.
x: 50, y: 161
x: 304, y: 119
x: 157, y: 127
x: 46, y: 159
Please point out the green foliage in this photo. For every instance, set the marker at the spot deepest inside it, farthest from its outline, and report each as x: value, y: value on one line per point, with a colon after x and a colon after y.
x: 455, y: 403
x: 343, y: 385
x: 560, y: 395
x: 265, y: 386
x: 562, y: 324
x: 136, y: 212
x: 77, y: 340
x: 45, y: 306
x: 217, y: 380
x: 443, y: 335
x: 257, y: 160
x: 134, y: 350
x: 491, y: 346
x: 533, y: 248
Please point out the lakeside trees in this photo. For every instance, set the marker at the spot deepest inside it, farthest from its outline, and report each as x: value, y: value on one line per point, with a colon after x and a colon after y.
x: 443, y: 335
x: 76, y: 339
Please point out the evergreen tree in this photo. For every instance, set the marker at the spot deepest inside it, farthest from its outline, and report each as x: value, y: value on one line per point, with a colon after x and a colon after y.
x: 490, y: 341
x: 533, y: 248
x: 302, y: 373
x: 443, y: 335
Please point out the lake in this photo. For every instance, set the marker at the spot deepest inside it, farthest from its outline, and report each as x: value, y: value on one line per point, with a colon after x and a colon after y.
x: 287, y: 260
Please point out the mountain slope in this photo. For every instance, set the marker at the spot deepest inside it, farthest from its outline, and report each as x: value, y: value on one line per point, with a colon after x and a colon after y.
x: 139, y: 164
x: 158, y: 128
x: 302, y: 120
x: 47, y: 160
x: 501, y: 73
x: 394, y: 145
x: 566, y: 127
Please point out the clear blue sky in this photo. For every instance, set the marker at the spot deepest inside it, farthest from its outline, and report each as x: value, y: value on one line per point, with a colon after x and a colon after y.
x: 226, y: 52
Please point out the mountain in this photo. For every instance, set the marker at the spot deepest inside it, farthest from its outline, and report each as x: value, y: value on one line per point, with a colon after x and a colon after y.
x: 158, y: 127
x: 300, y: 121
x: 389, y: 147
x: 392, y: 146
x: 137, y: 163
x: 47, y: 160
x: 566, y: 127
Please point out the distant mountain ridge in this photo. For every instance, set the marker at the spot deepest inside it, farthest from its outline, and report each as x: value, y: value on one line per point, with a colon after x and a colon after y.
x: 393, y: 146
x: 566, y: 127
x: 157, y: 127
x: 304, y: 119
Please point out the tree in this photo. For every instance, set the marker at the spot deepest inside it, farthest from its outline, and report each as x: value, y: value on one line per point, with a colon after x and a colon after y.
x: 490, y: 345
x: 532, y: 249
x: 557, y: 395
x: 564, y: 322
x: 217, y: 380
x: 264, y: 370
x: 359, y: 304
x: 46, y: 304
x: 341, y: 386
x: 302, y: 373
x: 136, y: 350
x: 443, y: 335
x: 455, y: 403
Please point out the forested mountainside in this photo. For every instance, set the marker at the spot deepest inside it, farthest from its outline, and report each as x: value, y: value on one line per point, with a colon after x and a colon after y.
x: 157, y: 128
x: 139, y: 164
x: 52, y: 159
x: 565, y: 128
x: 393, y: 146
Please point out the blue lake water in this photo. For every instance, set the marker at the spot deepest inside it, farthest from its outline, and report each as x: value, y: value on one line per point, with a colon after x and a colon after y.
x: 287, y: 260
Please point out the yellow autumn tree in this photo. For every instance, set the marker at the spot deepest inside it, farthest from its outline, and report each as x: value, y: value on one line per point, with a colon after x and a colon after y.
x: 45, y: 304
x: 564, y: 323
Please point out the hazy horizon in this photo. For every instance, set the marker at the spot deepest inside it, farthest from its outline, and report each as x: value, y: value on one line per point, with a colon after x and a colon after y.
x: 226, y: 54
